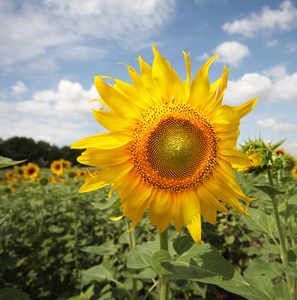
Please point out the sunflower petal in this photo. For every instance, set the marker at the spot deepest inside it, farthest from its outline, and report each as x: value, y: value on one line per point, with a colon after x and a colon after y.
x: 200, y: 85
x: 115, y: 101
x: 103, y: 141
x: 160, y: 210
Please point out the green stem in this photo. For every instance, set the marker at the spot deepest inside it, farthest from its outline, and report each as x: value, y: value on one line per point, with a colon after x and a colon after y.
x: 282, y: 239
x: 164, y: 281
x: 131, y: 246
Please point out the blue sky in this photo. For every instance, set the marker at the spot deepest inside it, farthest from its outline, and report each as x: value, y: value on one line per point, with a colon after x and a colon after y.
x: 52, y: 49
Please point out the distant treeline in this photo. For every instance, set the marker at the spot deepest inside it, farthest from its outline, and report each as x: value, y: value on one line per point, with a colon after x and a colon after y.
x: 41, y: 153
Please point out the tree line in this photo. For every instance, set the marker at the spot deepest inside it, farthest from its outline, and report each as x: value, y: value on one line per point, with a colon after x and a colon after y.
x: 41, y: 152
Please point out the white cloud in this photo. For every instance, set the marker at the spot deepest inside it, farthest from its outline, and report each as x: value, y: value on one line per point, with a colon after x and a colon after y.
x: 60, y: 115
x: 39, y: 29
x: 19, y: 88
x: 276, y: 126
x: 272, y: 85
x: 231, y: 52
x: 284, y: 19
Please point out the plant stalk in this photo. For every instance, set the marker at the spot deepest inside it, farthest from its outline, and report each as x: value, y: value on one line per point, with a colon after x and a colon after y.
x: 131, y: 246
x: 164, y: 281
x: 283, y: 248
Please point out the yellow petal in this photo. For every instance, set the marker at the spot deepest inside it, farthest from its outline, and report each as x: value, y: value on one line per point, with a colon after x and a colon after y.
x: 103, y: 141
x: 148, y: 81
x: 208, y: 213
x: 191, y: 206
x: 200, y: 85
x: 187, y: 83
x: 160, y: 210
x: 139, y: 85
x: 104, y: 158
x: 212, y: 201
x: 115, y: 101
x: 112, y: 121
x: 234, y: 157
x: 195, y: 229
x: 226, y: 114
x: 176, y: 208
x: 161, y: 75
x: 106, y: 177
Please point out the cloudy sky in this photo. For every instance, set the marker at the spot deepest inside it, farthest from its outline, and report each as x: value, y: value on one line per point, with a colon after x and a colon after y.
x: 52, y: 49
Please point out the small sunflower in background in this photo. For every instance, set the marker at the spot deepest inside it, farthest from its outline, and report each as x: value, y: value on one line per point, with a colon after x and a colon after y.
x: 10, y: 176
x: 53, y: 180
x: 31, y: 171
x: 81, y: 173
x: 66, y: 164
x: 279, y: 152
x: 170, y: 147
x: 57, y: 168
x: 255, y: 162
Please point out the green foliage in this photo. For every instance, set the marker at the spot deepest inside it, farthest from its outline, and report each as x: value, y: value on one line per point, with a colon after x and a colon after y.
x: 8, y: 162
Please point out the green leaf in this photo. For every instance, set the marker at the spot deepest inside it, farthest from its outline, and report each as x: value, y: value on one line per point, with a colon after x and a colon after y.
x: 269, y: 190
x: 255, y: 290
x: 108, y: 248
x: 182, y: 244
x: 107, y: 203
x: 280, y: 291
x: 259, y: 221
x: 7, y: 162
x: 140, y: 257
x: 95, y: 274
x: 202, y: 263
x: 288, y: 208
x: 14, y: 294
x: 289, y: 270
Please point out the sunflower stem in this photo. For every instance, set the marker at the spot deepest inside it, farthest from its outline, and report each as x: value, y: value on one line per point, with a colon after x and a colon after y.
x: 283, y: 248
x: 164, y: 281
x: 131, y: 246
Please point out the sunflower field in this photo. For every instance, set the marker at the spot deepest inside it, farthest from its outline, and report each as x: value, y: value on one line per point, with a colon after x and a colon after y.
x: 59, y: 244
x: 168, y: 207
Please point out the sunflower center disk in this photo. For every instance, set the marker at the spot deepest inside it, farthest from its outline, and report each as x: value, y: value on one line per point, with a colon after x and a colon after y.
x: 175, y: 147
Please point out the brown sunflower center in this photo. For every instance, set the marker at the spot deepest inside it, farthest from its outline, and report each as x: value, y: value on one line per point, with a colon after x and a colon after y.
x: 174, y: 147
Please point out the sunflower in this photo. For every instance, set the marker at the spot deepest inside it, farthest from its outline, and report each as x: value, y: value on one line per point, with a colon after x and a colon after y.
x: 31, y: 171
x: 11, y: 176
x: 66, y: 164
x: 57, y: 168
x: 81, y: 173
x: 255, y: 161
x: 53, y: 180
x: 279, y: 152
x: 170, y: 148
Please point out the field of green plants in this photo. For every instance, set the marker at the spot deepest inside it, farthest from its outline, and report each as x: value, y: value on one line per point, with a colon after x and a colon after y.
x: 59, y: 244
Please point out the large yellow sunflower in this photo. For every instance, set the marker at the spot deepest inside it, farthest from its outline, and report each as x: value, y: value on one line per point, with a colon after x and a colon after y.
x: 170, y: 148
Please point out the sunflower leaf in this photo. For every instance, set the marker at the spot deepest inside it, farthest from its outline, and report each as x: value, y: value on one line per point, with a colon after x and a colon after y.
x: 11, y: 293
x: 206, y: 265
x: 259, y: 221
x: 288, y: 208
x: 7, y: 162
x: 113, y: 202
x: 269, y: 190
